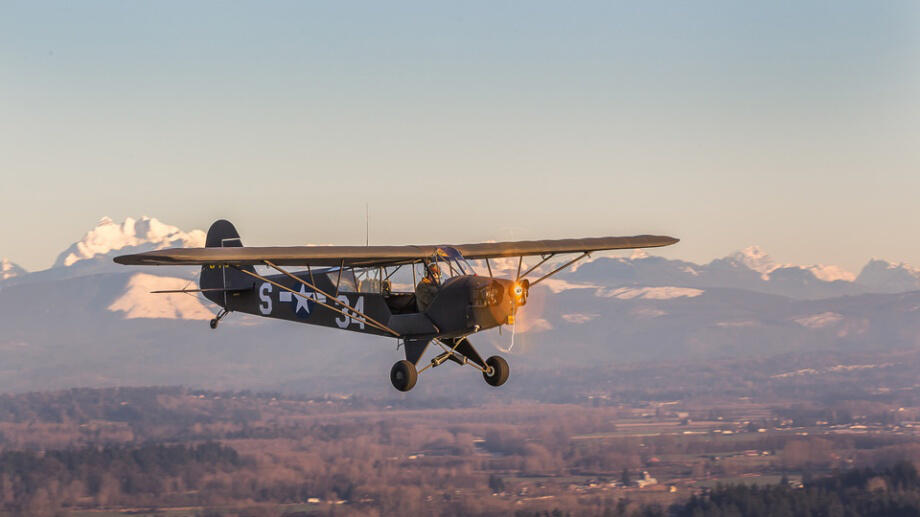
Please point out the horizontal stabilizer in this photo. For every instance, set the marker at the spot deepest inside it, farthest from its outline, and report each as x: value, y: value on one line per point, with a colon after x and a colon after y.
x: 208, y: 290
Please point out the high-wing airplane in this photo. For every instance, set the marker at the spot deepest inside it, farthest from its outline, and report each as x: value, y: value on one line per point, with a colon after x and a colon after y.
x: 351, y: 288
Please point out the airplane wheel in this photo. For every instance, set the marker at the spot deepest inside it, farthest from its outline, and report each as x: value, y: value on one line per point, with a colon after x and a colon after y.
x: 500, y: 371
x: 214, y: 323
x: 403, y: 375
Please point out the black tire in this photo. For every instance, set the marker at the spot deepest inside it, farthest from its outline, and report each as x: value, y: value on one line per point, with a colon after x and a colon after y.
x: 500, y: 371
x: 214, y: 323
x: 403, y: 375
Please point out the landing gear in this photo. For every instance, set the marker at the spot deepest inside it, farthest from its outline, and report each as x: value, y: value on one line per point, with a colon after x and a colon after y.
x: 497, y: 372
x: 403, y: 375
x: 220, y: 315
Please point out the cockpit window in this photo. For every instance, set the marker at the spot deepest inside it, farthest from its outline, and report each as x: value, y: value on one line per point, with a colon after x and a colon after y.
x: 344, y: 279
x: 452, y: 262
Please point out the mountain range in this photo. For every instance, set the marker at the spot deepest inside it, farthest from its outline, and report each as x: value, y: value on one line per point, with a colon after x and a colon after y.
x: 89, y: 322
x: 752, y: 269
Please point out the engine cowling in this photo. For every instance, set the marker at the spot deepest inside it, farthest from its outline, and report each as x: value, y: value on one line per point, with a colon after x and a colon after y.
x: 519, y: 292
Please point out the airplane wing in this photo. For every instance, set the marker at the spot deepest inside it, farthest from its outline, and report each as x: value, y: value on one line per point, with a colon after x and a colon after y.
x: 369, y: 256
x: 559, y: 246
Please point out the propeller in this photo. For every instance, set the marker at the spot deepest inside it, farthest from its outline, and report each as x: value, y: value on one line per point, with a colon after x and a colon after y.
x: 518, y: 293
x: 515, y: 296
x: 511, y: 346
x: 513, y: 329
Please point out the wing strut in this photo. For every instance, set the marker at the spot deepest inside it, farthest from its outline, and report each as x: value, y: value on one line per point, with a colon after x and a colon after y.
x: 558, y: 269
x: 530, y: 270
x: 365, y: 317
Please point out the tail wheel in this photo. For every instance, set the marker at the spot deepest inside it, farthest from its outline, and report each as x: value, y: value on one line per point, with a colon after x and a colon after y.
x: 403, y: 375
x: 499, y: 369
x: 213, y: 323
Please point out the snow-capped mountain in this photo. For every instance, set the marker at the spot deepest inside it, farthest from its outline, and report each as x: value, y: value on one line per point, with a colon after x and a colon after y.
x: 887, y: 277
x: 142, y: 234
x: 92, y: 255
x: 138, y: 302
x: 750, y: 269
x: 754, y: 258
x: 10, y: 270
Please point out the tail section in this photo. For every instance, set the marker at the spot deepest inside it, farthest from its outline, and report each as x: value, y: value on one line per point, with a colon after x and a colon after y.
x: 222, y: 234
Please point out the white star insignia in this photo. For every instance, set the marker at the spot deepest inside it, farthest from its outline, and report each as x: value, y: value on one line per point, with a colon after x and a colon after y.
x: 303, y: 299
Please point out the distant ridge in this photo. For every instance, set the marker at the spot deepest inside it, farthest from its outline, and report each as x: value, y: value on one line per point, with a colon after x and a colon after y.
x: 10, y: 270
x: 90, y: 322
x: 750, y: 268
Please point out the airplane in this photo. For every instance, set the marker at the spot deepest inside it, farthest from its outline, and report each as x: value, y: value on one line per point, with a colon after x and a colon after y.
x: 351, y: 288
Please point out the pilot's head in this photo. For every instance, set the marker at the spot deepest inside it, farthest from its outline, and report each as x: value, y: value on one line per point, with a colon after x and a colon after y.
x: 434, y: 272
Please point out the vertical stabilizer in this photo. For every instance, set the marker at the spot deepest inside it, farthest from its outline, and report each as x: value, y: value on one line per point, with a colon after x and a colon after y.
x: 222, y: 234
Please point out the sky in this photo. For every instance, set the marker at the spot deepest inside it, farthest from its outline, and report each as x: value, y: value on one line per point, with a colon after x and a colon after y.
x: 791, y: 125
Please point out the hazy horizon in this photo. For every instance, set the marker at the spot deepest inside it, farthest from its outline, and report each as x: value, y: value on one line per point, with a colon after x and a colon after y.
x: 666, y: 251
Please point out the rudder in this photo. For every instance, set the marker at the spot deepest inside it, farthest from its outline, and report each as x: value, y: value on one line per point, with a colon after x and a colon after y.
x: 222, y: 234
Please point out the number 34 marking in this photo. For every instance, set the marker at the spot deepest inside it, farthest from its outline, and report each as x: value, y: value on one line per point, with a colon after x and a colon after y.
x: 345, y: 321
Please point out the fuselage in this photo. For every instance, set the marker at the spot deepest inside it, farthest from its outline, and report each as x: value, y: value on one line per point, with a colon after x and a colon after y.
x: 463, y: 305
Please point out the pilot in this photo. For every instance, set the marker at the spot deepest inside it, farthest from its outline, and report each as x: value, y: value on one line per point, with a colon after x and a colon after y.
x: 427, y: 289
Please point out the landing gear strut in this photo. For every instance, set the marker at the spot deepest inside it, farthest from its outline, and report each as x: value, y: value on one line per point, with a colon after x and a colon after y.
x: 404, y: 374
x: 220, y: 316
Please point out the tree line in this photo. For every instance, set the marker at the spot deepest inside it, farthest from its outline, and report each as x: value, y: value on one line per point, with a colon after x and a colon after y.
x: 32, y: 482
x: 867, y: 492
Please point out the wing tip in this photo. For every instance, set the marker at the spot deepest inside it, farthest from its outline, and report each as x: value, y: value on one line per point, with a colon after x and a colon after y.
x: 138, y: 259
x: 659, y: 241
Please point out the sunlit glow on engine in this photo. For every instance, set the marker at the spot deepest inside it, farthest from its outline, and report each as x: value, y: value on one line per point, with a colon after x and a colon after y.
x: 519, y: 292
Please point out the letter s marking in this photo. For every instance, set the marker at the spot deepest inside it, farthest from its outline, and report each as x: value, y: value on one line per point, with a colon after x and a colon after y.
x: 266, y: 306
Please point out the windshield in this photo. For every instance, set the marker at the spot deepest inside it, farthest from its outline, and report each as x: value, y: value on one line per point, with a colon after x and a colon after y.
x: 452, y: 262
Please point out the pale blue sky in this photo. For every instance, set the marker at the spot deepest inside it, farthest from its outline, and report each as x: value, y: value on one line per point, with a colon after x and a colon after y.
x: 793, y: 125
